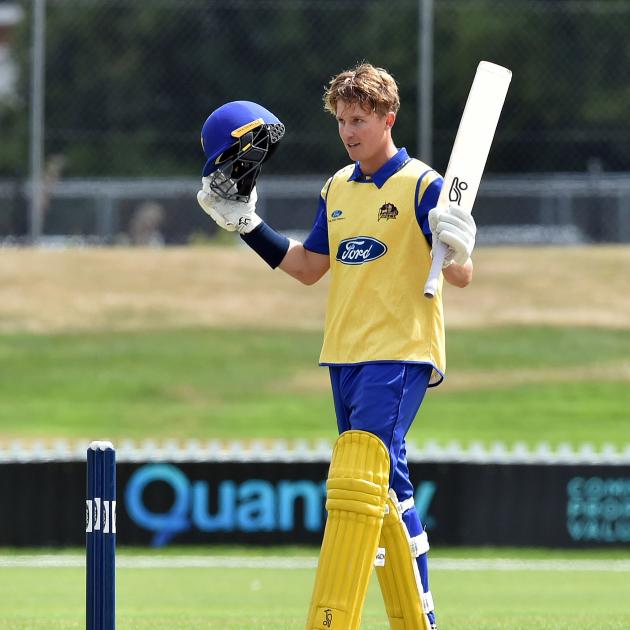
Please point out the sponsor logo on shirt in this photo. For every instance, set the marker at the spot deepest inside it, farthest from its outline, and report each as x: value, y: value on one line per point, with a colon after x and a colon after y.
x: 336, y: 215
x: 359, y: 250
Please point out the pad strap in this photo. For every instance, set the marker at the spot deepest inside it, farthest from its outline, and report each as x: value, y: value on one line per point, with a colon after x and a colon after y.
x: 405, y: 505
x: 427, y: 602
x: 419, y: 544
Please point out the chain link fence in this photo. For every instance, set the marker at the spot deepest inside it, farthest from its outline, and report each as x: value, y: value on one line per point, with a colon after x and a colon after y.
x: 129, y: 83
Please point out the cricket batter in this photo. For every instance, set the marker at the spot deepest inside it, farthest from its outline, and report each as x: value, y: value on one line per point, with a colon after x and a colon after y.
x: 383, y: 342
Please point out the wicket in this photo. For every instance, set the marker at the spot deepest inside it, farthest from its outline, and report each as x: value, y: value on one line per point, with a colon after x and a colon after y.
x: 100, y: 537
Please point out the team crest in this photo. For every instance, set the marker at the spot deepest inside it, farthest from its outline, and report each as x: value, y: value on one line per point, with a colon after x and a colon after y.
x: 387, y: 211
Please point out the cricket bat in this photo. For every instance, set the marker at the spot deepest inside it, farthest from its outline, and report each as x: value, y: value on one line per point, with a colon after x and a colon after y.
x: 470, y: 151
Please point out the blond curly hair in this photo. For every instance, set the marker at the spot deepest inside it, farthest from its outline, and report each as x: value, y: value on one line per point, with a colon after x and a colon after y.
x: 373, y: 88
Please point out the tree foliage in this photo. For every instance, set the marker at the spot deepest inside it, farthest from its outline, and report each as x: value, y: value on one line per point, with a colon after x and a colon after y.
x: 129, y: 83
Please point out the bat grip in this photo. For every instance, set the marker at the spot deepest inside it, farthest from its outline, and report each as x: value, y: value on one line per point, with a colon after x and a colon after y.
x: 439, y: 253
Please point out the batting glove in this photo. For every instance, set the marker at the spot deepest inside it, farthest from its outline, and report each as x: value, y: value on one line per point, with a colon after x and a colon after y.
x: 457, y: 229
x: 233, y: 216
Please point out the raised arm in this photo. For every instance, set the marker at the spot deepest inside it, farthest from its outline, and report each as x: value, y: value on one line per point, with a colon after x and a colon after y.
x: 274, y: 248
x: 304, y: 265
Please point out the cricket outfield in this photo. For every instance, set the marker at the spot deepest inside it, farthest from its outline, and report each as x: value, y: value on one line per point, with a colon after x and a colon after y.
x: 207, y: 342
x: 269, y: 589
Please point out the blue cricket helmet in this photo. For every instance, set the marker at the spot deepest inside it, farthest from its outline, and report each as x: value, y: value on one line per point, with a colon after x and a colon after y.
x: 236, y: 139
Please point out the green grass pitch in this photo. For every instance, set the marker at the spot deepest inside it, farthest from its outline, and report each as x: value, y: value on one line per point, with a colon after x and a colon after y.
x: 261, y: 599
x: 510, y: 384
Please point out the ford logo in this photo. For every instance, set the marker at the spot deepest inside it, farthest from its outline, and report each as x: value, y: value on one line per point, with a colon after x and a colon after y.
x: 336, y: 213
x: 360, y: 249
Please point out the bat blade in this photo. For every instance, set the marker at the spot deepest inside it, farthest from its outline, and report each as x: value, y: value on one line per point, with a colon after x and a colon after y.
x: 470, y: 150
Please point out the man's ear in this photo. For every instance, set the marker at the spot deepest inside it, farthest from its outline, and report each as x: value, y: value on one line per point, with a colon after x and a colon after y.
x: 390, y: 119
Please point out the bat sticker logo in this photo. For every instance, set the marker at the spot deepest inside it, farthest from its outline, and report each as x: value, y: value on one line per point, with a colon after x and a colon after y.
x: 455, y: 192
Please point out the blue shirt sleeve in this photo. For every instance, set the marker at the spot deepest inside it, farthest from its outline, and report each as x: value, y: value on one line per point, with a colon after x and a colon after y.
x: 317, y: 240
x: 428, y: 202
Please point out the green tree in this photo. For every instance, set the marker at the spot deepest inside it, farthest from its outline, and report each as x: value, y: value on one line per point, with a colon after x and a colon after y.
x: 129, y: 83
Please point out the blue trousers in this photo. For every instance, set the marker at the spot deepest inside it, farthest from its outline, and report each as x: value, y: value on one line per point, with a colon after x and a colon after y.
x: 383, y: 399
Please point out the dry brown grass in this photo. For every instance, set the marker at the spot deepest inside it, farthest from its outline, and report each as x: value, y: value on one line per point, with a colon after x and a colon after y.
x: 568, y: 286
x: 127, y: 289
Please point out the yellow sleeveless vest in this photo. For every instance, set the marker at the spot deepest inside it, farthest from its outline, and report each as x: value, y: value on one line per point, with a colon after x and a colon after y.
x: 379, y: 261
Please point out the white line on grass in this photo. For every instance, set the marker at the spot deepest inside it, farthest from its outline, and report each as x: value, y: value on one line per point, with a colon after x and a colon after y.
x: 278, y: 562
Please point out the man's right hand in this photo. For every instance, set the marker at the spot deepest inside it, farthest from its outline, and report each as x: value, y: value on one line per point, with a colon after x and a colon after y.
x: 456, y: 228
x: 233, y: 216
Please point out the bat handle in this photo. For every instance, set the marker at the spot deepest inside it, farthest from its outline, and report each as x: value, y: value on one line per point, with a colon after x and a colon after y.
x: 439, y: 253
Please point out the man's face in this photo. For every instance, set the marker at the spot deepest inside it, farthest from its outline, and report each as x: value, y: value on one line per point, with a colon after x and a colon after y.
x: 365, y: 134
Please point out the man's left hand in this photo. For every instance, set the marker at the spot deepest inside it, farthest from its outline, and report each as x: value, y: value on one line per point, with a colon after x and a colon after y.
x: 457, y: 229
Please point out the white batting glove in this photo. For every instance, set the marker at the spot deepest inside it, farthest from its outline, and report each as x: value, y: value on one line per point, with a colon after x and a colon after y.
x: 457, y: 229
x: 233, y: 216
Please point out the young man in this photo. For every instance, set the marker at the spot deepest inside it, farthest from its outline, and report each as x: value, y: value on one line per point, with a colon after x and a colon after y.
x: 383, y: 343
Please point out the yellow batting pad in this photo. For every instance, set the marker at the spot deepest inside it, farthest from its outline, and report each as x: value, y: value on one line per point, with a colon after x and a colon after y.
x: 399, y: 577
x: 357, y: 485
